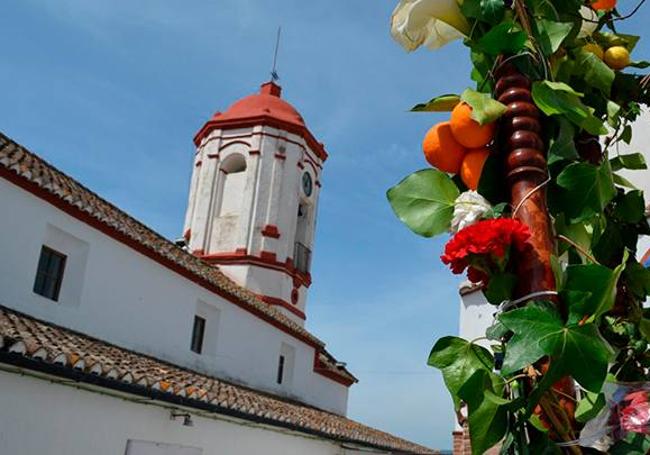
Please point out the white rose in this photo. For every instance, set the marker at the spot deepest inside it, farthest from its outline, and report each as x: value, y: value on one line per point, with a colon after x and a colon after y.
x: 432, y: 23
x: 469, y: 208
x: 589, y: 22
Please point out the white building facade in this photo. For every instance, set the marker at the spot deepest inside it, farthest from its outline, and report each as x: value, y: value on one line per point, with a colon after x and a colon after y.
x: 142, y: 328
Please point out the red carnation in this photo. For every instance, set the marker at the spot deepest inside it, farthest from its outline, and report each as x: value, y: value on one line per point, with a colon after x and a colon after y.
x: 484, y: 246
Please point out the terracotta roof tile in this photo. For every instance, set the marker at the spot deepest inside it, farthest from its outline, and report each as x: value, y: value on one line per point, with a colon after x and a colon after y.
x: 45, y: 344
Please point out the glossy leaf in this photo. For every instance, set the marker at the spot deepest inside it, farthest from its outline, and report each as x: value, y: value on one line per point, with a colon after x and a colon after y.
x: 485, y: 109
x: 590, y: 406
x: 595, y: 72
x: 577, y: 350
x: 633, y: 161
x: 588, y: 189
x: 563, y: 146
x: 424, y: 201
x: 487, y: 411
x: 551, y: 34
x: 558, y: 98
x: 458, y: 360
x: 505, y: 38
x: 443, y: 103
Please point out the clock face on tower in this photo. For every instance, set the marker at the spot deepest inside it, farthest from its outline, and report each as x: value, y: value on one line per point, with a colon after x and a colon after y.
x: 307, y: 184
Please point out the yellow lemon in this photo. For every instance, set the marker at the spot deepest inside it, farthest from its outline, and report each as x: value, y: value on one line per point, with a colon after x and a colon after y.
x: 617, y: 57
x: 594, y: 49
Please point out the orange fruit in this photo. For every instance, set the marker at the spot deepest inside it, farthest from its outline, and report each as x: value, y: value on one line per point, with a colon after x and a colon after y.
x: 470, y: 170
x: 603, y: 5
x: 617, y: 57
x: 467, y: 131
x: 441, y: 150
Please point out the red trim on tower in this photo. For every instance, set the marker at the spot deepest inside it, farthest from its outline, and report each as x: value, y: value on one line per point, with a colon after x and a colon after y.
x: 280, y: 156
x: 282, y: 303
x: 187, y: 234
x: 273, y: 136
x: 303, y: 279
x: 215, y: 123
x: 236, y: 141
x: 268, y: 256
x: 214, y: 156
x: 271, y: 230
x: 254, y: 152
x: 300, y: 165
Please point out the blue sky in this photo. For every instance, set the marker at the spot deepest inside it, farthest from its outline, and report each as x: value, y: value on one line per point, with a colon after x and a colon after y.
x: 113, y: 92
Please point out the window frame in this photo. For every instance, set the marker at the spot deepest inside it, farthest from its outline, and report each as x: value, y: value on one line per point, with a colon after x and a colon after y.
x: 42, y: 270
x: 280, y: 375
x: 198, y: 334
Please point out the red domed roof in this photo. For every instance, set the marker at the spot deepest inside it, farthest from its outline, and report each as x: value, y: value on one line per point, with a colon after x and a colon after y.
x: 263, y: 108
x: 266, y: 103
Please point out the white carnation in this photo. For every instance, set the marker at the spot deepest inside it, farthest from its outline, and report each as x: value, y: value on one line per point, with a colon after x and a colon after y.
x: 469, y: 208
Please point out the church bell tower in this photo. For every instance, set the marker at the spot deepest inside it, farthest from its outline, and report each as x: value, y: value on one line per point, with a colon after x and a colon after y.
x: 254, y: 197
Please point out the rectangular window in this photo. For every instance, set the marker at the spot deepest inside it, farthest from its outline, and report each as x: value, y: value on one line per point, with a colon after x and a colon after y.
x: 280, y: 369
x: 197, y: 334
x: 49, y: 274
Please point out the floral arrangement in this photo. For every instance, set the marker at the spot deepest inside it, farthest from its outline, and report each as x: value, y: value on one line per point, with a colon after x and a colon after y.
x: 525, y: 176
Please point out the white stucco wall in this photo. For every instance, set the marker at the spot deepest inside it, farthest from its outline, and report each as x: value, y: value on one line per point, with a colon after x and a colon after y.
x: 38, y: 417
x: 113, y: 293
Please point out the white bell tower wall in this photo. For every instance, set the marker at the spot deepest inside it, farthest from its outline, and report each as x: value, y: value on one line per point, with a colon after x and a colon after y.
x: 252, y: 211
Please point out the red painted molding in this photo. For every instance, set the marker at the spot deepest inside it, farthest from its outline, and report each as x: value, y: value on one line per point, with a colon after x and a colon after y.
x: 86, y: 218
x: 187, y: 234
x: 318, y: 183
x: 268, y: 256
x: 236, y: 141
x: 214, y: 123
x: 241, y: 251
x: 307, y: 151
x: 282, y: 303
x: 280, y: 156
x: 294, y: 296
x: 198, y: 163
x: 254, y: 152
x: 324, y: 371
x: 198, y: 252
x: 271, y: 230
x: 214, y: 156
x: 237, y: 258
x: 300, y: 165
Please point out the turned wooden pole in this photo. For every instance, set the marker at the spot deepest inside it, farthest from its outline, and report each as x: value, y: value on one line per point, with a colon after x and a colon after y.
x: 526, y: 171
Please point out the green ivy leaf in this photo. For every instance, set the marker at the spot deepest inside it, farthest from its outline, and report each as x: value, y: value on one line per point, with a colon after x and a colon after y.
x: 641, y: 64
x: 551, y: 34
x: 590, y: 406
x: 558, y: 98
x: 577, y: 351
x: 458, y: 360
x: 633, y: 161
x: 622, y: 181
x: 607, y: 39
x: 487, y: 410
x: 633, y: 444
x: 485, y: 109
x: 424, y: 201
x: 595, y: 72
x: 563, y: 147
x: 597, y: 280
x: 630, y: 208
x: 637, y: 279
x: 588, y: 189
x: 505, y: 38
x: 443, y: 103
x: 626, y: 135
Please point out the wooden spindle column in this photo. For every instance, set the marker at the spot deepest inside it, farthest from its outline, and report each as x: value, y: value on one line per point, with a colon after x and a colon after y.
x: 526, y: 170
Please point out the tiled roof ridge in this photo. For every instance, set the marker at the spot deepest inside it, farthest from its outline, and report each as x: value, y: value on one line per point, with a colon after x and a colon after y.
x: 48, y: 176
x: 28, y: 342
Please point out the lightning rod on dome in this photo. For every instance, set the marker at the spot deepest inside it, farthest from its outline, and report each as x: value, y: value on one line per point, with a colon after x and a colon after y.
x: 274, y: 73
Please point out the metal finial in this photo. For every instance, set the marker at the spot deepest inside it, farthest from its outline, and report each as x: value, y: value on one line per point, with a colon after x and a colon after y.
x: 274, y: 73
